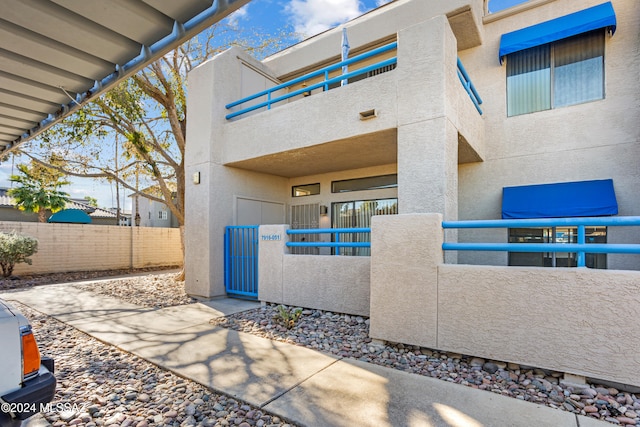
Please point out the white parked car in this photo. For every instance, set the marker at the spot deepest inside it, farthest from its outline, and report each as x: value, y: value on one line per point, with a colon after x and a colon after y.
x: 27, y: 383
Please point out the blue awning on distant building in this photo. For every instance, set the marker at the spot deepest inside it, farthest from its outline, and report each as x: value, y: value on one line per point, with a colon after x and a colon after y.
x: 565, y: 199
x: 593, y: 18
x: 70, y: 216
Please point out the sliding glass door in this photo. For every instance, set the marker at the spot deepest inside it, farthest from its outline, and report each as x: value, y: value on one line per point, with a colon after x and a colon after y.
x: 357, y: 214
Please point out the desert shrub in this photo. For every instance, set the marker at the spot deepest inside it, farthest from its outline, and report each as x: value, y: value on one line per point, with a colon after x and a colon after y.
x: 15, y: 248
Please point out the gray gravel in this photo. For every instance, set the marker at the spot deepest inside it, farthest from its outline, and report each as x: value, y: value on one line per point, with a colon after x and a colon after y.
x: 100, y: 385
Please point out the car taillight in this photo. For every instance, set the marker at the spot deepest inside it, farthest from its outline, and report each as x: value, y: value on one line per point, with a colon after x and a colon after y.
x: 30, y: 352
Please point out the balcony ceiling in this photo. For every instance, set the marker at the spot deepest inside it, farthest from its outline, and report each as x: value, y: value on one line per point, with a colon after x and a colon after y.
x: 58, y: 54
x: 363, y: 151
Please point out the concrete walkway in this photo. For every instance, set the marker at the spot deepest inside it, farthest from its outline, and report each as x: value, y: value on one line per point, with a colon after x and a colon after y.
x: 301, y: 385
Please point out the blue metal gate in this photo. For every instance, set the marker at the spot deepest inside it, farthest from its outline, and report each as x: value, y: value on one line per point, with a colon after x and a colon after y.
x: 241, y: 261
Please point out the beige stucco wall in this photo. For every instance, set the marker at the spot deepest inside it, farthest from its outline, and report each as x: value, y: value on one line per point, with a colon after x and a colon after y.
x: 375, y: 25
x: 332, y: 283
x: 405, y: 253
x: 595, y: 140
x: 76, y: 247
x: 565, y: 319
x: 212, y: 203
x: 573, y: 320
x: 314, y: 120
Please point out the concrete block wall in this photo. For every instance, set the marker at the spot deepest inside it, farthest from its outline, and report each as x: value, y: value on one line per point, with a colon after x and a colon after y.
x: 77, y: 247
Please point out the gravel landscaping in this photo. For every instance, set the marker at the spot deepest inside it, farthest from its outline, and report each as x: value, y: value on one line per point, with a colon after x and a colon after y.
x: 348, y: 336
x: 151, y: 291
x: 124, y: 390
x: 100, y: 385
x: 30, y: 280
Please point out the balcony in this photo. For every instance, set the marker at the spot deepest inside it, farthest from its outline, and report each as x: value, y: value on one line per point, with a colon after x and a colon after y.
x: 346, y: 114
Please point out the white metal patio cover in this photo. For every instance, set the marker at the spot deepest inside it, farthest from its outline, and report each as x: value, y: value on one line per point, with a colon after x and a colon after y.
x: 56, y: 55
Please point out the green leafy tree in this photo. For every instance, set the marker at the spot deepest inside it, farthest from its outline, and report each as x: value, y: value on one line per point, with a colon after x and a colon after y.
x: 135, y: 134
x: 91, y: 201
x: 14, y: 249
x: 38, y: 189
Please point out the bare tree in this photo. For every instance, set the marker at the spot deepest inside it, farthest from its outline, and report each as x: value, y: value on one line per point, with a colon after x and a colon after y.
x: 149, y: 114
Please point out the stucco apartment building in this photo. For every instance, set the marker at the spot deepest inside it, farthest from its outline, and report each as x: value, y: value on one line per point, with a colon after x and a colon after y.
x: 444, y: 113
x: 558, y: 106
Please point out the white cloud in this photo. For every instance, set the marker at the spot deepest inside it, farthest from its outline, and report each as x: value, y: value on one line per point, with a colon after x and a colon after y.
x: 382, y: 2
x: 311, y: 17
x: 238, y: 15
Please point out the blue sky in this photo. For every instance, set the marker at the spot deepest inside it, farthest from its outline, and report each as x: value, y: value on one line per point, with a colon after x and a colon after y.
x: 304, y: 17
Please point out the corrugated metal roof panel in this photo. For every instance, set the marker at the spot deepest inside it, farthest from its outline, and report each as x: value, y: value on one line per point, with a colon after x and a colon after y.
x: 83, y: 48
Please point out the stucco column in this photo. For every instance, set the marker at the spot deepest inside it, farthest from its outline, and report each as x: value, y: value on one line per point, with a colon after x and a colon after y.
x: 405, y: 253
x: 204, y: 227
x: 272, y: 246
x: 427, y: 135
x: 428, y: 168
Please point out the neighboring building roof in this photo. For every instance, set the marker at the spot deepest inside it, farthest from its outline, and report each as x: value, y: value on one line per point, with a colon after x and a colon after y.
x: 154, y: 190
x: 91, y: 210
x: 59, y: 55
x: 81, y: 204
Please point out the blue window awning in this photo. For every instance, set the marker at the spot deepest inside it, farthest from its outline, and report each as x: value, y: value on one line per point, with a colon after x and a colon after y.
x: 593, y: 18
x: 565, y: 199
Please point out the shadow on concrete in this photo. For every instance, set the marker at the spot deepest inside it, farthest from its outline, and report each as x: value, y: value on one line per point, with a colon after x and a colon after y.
x: 304, y: 386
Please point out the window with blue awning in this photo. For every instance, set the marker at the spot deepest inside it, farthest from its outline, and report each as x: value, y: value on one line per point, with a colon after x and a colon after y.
x: 559, y: 200
x: 593, y: 18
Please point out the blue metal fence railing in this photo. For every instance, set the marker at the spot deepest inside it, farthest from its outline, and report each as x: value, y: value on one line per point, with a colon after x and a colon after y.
x: 469, y: 86
x: 581, y: 248
x: 241, y: 260
x: 337, y: 244
x: 326, y: 82
x: 323, y: 84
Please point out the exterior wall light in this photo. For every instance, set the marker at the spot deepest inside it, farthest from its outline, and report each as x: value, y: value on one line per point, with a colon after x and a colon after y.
x: 324, y: 210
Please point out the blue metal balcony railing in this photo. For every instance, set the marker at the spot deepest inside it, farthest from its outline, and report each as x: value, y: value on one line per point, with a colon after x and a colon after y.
x: 337, y: 244
x: 326, y: 82
x: 322, y: 84
x: 469, y: 86
x: 581, y: 248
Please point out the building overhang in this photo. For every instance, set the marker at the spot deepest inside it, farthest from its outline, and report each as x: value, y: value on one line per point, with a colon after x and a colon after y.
x: 465, y: 27
x: 57, y: 56
x: 379, y: 148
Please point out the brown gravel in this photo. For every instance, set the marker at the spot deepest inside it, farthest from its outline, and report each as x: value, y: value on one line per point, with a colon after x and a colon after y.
x: 100, y: 385
x: 347, y: 336
x: 151, y: 291
x: 30, y: 280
